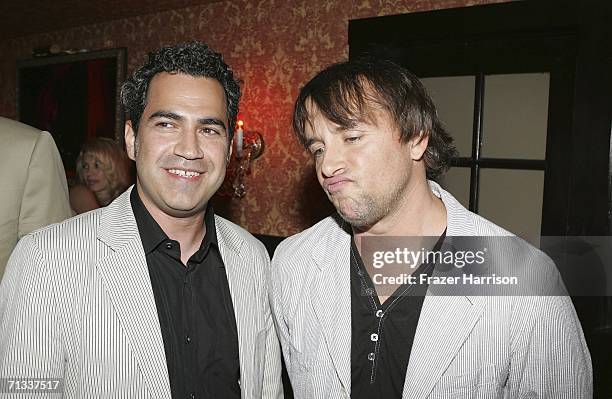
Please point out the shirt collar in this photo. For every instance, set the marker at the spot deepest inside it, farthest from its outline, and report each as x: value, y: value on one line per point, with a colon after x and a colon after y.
x: 210, y: 239
x: 152, y: 235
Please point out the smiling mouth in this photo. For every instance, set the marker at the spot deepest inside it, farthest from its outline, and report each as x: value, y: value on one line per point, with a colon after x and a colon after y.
x: 184, y: 173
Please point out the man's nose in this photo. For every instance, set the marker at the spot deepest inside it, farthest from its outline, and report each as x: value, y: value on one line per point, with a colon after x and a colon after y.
x: 189, y: 146
x: 333, y: 162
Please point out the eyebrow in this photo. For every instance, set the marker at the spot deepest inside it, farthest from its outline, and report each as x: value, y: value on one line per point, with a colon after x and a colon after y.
x: 166, y: 114
x: 212, y: 121
x: 309, y: 142
x: 337, y: 130
x: 177, y: 117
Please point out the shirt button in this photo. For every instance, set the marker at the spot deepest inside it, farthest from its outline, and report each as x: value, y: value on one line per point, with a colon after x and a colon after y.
x: 169, y: 246
x: 379, y: 313
x: 192, y: 396
x: 374, y: 337
x: 369, y: 291
x: 371, y: 356
x: 188, y: 339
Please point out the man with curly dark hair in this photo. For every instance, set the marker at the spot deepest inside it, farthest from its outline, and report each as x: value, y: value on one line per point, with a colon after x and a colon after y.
x: 361, y: 312
x: 193, y: 59
x: 153, y: 295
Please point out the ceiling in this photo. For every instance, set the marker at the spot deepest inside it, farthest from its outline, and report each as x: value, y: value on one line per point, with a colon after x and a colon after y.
x: 26, y: 17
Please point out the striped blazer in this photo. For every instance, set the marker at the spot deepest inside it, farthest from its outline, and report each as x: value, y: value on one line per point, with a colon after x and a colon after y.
x: 464, y: 346
x: 76, y: 303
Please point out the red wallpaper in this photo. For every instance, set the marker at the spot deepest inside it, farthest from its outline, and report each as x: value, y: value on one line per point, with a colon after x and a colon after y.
x: 274, y: 46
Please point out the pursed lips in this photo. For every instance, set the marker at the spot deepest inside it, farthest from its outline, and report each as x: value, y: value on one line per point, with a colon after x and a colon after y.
x: 335, y: 184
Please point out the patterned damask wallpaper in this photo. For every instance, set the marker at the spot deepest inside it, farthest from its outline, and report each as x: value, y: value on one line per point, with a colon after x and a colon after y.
x: 274, y: 46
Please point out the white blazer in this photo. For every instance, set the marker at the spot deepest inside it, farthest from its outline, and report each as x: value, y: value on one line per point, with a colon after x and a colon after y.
x: 76, y: 303
x: 464, y: 347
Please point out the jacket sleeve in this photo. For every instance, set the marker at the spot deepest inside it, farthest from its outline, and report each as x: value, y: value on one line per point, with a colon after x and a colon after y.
x: 45, y: 196
x: 550, y: 357
x: 31, y: 344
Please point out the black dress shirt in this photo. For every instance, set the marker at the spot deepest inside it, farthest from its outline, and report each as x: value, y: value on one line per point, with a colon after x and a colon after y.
x: 382, y: 334
x: 195, y: 310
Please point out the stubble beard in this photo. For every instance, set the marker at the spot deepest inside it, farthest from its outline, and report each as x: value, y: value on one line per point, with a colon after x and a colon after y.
x: 369, y: 209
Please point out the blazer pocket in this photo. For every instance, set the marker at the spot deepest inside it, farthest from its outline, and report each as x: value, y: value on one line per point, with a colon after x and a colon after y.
x: 475, y: 384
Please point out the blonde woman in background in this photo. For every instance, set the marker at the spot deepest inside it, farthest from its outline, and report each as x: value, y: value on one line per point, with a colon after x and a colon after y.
x: 103, y: 169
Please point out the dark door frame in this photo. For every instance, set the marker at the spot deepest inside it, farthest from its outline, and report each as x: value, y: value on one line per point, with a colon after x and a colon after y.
x: 572, y: 40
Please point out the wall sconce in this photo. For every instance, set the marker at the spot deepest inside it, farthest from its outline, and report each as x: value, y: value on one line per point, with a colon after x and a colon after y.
x: 249, y: 146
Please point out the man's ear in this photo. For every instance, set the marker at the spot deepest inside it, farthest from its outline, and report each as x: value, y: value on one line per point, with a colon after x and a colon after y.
x: 418, y: 145
x: 130, y: 140
x: 229, y: 153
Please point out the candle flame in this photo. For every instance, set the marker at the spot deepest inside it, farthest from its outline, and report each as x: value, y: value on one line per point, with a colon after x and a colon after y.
x: 240, y: 123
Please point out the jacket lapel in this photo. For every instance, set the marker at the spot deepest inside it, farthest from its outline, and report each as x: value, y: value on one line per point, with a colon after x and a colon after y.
x: 248, y: 315
x: 331, y: 299
x: 445, y: 323
x: 125, y: 275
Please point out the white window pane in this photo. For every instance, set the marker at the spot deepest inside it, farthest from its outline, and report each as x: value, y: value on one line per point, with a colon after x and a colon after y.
x: 513, y: 200
x: 515, y: 116
x: 454, y: 100
x: 457, y: 182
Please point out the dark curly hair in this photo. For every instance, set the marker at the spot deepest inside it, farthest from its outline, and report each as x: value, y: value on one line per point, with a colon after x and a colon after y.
x: 192, y: 58
x: 345, y: 92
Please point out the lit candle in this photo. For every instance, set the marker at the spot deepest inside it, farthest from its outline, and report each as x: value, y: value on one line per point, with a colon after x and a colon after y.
x: 239, y: 138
